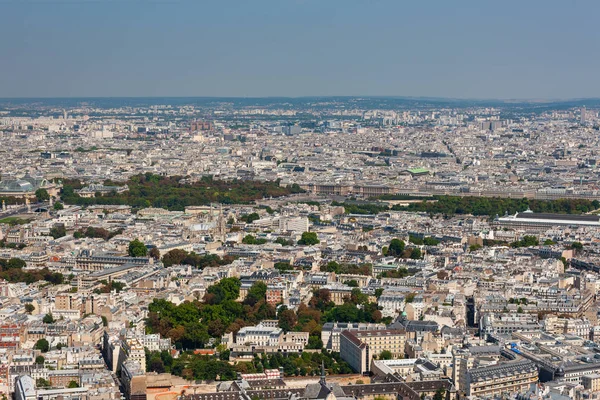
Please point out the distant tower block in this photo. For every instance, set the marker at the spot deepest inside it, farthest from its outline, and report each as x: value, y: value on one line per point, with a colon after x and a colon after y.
x: 583, y: 116
x: 201, y: 126
x: 3, y: 205
x: 28, y: 205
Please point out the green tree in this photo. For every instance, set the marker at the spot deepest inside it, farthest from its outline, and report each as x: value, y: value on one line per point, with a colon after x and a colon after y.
x: 48, y: 319
x: 250, y: 218
x: 351, y: 283
x: 249, y: 239
x: 283, y: 266
x: 415, y: 254
x: 256, y: 293
x: 39, y: 360
x: 15, y: 263
x: 72, y: 385
x: 474, y: 247
x: 226, y: 289
x: 29, y: 308
x: 396, y: 247
x: 314, y: 342
x: 42, y: 345
x: 332, y: 266
x: 137, y: 249
x: 42, y: 383
x: 576, y: 246
x: 42, y: 195
x: 385, y: 355
x: 308, y: 239
x: 58, y: 206
x: 58, y: 231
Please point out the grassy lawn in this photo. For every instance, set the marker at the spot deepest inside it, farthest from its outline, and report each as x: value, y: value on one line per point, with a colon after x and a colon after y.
x: 12, y: 221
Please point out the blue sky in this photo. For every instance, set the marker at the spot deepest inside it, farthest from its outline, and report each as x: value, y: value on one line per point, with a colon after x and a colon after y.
x: 464, y: 49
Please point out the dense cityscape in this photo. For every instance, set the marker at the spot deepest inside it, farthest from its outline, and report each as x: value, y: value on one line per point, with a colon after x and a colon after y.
x: 299, y: 248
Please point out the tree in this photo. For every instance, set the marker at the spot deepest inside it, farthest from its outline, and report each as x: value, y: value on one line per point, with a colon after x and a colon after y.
x: 42, y: 345
x: 58, y: 231
x: 357, y: 297
x: 415, y: 254
x: 42, y: 195
x: 256, y: 293
x: 29, y: 308
x: 216, y: 328
x: 520, y: 310
x: 48, y: 319
x: 137, y: 249
x: 351, y: 283
x: 72, y: 385
x: 385, y: 355
x: 284, y: 242
x: 283, y: 266
x: 308, y: 239
x: 287, y: 320
x: 41, y: 382
x: 15, y: 263
x: 224, y: 355
x: 174, y: 257
x: 378, y: 292
x: 39, y: 360
x: 249, y: 239
x: 250, y: 218
x: 314, y: 342
x: 576, y: 246
x: 439, y: 394
x: 332, y: 266
x: 155, y: 253
x: 396, y: 247
x: 474, y: 247
x: 58, y: 206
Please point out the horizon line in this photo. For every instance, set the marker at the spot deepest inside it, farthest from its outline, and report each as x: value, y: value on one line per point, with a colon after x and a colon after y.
x: 515, y: 99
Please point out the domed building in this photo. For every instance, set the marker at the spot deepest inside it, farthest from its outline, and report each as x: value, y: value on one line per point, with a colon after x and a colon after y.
x: 26, y: 186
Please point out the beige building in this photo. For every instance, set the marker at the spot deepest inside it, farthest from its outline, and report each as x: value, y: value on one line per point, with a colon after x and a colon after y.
x: 358, y: 348
x: 514, y: 376
x: 591, y: 382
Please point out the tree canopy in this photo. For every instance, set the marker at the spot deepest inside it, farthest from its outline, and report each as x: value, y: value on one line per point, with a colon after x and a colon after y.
x: 137, y: 249
x: 170, y: 192
x: 42, y: 195
x: 308, y: 239
x: 42, y: 345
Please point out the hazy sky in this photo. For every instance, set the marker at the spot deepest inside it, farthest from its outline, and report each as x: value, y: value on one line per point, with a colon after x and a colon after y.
x: 446, y: 48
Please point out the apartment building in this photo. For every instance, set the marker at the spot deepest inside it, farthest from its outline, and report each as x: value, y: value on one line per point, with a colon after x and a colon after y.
x: 358, y: 348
